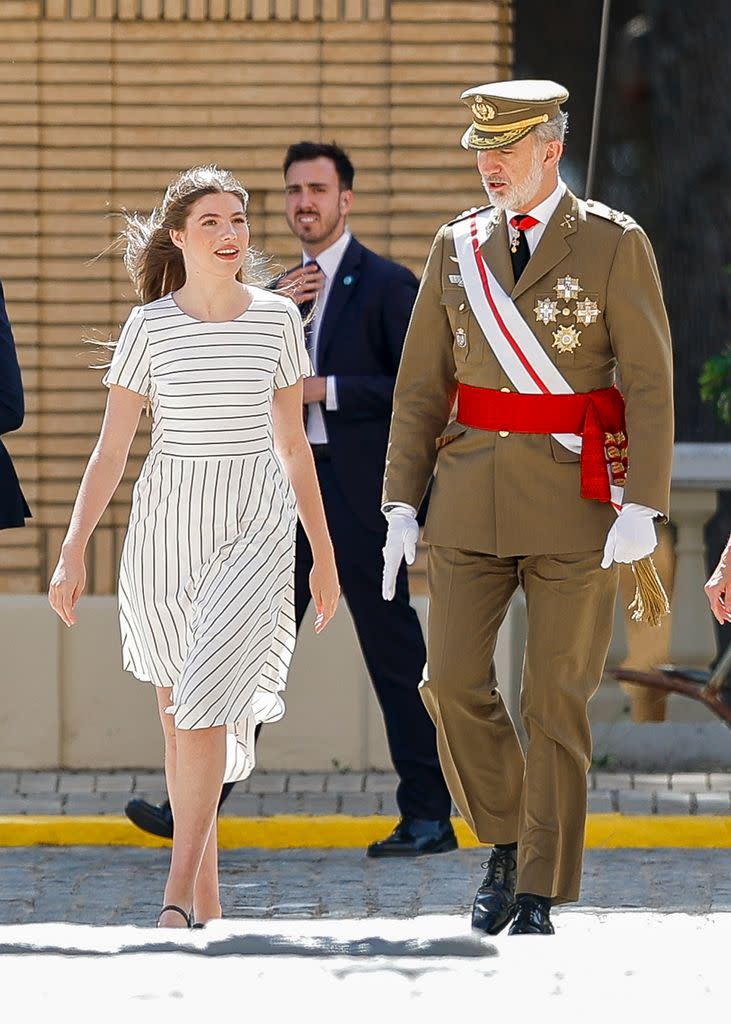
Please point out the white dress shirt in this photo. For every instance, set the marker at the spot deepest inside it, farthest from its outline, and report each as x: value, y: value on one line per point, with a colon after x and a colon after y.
x: 542, y: 213
x: 329, y: 261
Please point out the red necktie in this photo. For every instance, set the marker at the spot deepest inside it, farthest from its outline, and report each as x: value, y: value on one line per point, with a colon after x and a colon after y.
x: 520, y: 253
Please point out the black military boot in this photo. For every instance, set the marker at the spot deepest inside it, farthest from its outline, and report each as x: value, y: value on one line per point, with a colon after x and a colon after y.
x: 495, y: 899
x: 532, y: 916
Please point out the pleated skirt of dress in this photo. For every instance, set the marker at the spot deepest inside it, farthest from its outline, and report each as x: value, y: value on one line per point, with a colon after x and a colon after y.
x: 206, y: 592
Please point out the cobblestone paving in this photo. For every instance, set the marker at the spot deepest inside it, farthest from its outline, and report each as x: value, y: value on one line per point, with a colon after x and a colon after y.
x: 353, y: 793
x: 123, y: 885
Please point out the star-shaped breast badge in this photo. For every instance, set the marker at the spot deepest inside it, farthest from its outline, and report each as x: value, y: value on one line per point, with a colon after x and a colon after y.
x: 546, y: 311
x: 587, y: 311
x: 566, y: 339
x: 568, y: 288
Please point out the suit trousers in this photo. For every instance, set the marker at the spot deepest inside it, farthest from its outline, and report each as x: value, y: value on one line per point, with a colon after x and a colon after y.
x: 392, y: 643
x: 539, y: 800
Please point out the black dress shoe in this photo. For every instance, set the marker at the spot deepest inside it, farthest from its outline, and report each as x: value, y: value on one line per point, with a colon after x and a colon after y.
x: 532, y: 917
x: 495, y: 899
x: 154, y: 818
x: 415, y: 837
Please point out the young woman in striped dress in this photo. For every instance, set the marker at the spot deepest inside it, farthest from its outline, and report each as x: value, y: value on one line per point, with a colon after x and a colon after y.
x: 206, y: 574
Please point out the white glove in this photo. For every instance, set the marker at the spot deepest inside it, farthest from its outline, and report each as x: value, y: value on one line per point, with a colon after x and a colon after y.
x: 631, y: 536
x: 401, y: 540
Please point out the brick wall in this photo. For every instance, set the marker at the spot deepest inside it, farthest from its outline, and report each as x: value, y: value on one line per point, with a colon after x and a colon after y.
x: 102, y: 101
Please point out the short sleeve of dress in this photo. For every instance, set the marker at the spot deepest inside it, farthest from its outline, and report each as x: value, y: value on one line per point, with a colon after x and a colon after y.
x: 130, y: 366
x: 293, y: 361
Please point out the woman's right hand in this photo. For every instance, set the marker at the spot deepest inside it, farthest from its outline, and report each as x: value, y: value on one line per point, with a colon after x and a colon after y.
x: 718, y: 588
x: 303, y: 284
x: 67, y: 585
x: 325, y: 590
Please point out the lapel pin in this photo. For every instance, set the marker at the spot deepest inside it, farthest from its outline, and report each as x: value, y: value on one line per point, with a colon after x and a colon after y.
x: 348, y: 279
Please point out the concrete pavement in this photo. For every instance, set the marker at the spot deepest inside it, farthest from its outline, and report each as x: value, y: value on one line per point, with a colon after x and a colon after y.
x: 599, y: 966
x: 266, y: 794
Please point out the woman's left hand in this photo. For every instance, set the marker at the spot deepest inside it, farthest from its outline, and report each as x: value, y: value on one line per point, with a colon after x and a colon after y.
x: 67, y: 585
x: 325, y: 590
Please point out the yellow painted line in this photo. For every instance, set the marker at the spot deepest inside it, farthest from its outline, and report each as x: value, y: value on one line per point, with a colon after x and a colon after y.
x: 58, y: 830
x: 603, y: 831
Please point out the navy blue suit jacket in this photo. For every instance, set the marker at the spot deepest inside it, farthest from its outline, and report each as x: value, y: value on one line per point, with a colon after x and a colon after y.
x: 13, y: 506
x: 360, y: 341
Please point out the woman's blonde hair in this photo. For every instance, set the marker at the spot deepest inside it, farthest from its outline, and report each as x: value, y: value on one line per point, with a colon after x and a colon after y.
x: 154, y: 263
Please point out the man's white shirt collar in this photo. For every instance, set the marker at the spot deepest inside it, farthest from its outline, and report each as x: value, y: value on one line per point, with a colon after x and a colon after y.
x: 545, y: 210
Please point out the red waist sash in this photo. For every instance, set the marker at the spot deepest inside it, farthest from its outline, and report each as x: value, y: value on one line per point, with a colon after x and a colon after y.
x: 598, y: 416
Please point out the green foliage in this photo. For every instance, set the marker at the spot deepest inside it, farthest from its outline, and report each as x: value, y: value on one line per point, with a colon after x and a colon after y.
x: 715, y: 380
x: 715, y: 383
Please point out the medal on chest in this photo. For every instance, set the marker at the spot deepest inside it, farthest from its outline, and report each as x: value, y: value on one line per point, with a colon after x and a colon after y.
x: 567, y: 304
x: 566, y: 339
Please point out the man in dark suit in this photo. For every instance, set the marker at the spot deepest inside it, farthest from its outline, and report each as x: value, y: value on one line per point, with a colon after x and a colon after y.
x: 361, y: 304
x: 355, y: 339
x: 13, y: 506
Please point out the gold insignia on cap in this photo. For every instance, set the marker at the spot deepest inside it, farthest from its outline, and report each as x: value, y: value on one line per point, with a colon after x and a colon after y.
x: 546, y: 311
x: 504, y: 112
x: 482, y: 110
x: 587, y: 312
x: 566, y: 339
x: 567, y: 288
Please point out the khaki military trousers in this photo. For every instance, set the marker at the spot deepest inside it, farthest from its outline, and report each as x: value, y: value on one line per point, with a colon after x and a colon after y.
x: 540, y: 801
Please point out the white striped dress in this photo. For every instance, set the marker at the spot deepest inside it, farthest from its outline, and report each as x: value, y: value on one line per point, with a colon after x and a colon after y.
x: 207, y: 569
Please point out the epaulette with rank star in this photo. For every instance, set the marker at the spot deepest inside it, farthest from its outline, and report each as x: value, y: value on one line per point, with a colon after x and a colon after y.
x: 468, y: 213
x: 622, y: 220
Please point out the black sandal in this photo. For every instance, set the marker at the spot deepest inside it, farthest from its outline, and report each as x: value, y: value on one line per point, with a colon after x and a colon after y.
x: 178, y: 910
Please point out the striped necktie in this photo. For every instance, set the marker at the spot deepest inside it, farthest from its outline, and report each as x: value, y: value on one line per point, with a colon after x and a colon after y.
x: 306, y: 309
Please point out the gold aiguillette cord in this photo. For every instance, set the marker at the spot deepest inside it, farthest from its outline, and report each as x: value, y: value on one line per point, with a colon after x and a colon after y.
x: 650, y: 604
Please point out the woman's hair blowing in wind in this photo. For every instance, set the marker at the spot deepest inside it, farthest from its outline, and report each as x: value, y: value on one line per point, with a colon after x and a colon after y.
x: 154, y: 263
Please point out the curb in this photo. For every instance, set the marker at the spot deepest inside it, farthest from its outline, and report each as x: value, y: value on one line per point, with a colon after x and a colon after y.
x: 603, y: 831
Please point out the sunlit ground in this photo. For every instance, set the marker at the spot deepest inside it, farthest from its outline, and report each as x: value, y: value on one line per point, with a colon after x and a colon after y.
x: 619, y: 966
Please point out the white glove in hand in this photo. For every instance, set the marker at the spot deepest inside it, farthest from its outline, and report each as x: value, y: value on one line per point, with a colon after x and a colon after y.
x: 631, y: 536
x: 401, y: 540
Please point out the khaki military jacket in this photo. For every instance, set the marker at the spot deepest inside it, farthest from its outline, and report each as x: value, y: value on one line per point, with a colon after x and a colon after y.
x: 520, y: 493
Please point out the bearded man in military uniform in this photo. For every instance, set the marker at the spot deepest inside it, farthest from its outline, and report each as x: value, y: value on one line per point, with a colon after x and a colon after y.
x: 535, y: 387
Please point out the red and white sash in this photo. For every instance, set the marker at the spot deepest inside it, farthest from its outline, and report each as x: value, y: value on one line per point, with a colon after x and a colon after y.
x: 516, y: 348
